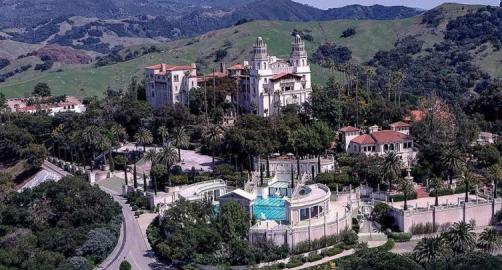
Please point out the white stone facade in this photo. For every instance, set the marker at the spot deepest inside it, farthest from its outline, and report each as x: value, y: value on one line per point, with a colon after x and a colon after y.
x: 380, y: 142
x: 168, y: 84
x: 268, y: 83
x: 70, y: 104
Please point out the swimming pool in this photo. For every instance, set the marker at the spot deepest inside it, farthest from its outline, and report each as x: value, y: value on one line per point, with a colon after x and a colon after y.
x: 273, y: 208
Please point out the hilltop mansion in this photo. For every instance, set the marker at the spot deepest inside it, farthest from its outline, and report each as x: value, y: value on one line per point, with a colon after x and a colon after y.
x: 266, y: 83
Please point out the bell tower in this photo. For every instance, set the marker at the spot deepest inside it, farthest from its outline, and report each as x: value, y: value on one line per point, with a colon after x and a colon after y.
x: 261, y: 59
x: 298, y: 57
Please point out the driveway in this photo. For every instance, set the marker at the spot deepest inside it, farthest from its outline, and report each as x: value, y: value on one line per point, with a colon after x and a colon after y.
x: 132, y: 245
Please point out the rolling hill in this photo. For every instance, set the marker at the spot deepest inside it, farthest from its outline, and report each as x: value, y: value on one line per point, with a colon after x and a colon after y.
x: 108, y: 26
x: 372, y: 36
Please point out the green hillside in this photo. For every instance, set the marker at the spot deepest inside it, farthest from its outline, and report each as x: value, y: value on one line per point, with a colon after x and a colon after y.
x: 371, y: 37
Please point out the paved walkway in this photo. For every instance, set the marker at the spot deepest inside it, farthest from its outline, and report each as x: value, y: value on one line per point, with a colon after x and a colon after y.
x: 48, y: 172
x: 405, y: 247
x: 189, y: 159
x: 345, y: 253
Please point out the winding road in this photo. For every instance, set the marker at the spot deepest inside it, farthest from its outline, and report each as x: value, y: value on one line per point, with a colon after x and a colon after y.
x: 132, y: 245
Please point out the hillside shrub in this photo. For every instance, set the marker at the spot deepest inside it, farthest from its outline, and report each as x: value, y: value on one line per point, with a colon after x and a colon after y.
x: 349, y: 238
x: 314, y: 256
x: 332, y: 251
x: 296, y: 261
x: 421, y: 228
x: 400, y: 236
x: 328, y: 54
x: 220, y: 54
x: 348, y: 32
x: 387, y: 246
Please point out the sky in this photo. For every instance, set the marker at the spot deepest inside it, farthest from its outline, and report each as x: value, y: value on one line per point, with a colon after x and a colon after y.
x: 424, y: 4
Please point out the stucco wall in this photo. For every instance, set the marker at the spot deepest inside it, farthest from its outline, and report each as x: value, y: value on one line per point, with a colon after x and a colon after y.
x: 480, y: 213
x: 295, y: 235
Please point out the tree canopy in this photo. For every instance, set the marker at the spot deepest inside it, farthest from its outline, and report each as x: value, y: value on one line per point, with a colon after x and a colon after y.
x: 65, y: 225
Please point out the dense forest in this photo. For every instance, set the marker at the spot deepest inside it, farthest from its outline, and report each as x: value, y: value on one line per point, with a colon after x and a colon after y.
x: 68, y: 225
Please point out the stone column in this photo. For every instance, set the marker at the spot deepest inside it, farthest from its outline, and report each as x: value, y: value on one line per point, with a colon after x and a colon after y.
x: 434, y: 218
x: 310, y: 240
x: 337, y: 228
x: 463, y: 212
x: 325, y: 235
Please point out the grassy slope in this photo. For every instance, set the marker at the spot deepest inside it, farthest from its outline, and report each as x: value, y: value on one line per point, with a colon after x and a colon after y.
x: 372, y: 36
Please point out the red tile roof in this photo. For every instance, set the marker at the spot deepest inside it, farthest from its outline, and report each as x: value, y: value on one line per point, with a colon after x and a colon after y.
x: 381, y: 137
x: 364, y: 139
x: 387, y: 136
x: 399, y: 124
x: 164, y: 68
x: 237, y: 67
x: 282, y: 75
x: 349, y: 129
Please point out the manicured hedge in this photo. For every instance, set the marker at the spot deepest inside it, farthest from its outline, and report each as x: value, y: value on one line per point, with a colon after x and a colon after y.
x: 400, y: 236
x: 400, y: 197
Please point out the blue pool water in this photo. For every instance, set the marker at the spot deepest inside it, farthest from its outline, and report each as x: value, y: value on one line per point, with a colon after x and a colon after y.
x: 273, y: 208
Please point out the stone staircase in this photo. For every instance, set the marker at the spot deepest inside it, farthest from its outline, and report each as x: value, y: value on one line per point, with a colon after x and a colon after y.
x: 421, y: 192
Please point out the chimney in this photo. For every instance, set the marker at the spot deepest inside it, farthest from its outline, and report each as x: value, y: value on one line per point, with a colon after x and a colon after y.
x: 246, y: 63
x: 373, y: 129
x: 222, y: 68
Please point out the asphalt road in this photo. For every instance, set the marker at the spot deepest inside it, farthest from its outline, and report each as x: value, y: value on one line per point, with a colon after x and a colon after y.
x: 132, y: 245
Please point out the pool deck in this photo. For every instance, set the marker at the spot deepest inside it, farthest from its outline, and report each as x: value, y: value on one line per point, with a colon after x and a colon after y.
x: 331, y: 216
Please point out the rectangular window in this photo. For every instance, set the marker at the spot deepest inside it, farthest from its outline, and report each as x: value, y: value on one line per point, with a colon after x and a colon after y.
x: 314, y: 211
x: 304, y: 214
x: 176, y: 78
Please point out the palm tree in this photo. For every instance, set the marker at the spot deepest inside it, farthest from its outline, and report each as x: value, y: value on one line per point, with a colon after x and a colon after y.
x: 169, y: 156
x: 94, y: 138
x: 164, y: 134
x: 145, y: 185
x: 370, y: 74
x: 406, y: 187
x: 397, y: 79
x: 452, y: 162
x: 429, y: 250
x: 461, y: 237
x: 495, y: 174
x: 467, y: 179
x: 180, y: 139
x: 134, y: 176
x: 58, y: 138
x: 212, y: 135
x: 143, y: 137
x: 436, y: 185
x: 490, y: 240
x: 391, y: 167
x: 153, y: 157
x: 118, y: 134
x: 125, y: 173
